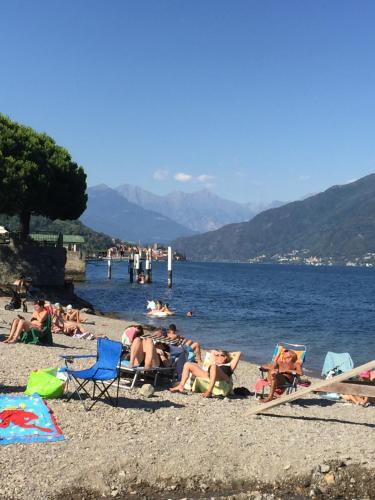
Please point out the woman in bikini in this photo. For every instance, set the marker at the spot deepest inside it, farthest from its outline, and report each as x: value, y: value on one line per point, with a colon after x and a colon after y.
x: 222, y: 368
x: 20, y: 325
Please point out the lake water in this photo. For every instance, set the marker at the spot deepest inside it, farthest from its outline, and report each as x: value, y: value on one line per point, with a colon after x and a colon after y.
x: 250, y: 307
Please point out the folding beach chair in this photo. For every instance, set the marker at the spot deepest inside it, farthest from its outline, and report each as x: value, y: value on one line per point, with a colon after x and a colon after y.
x: 262, y: 383
x: 102, y: 374
x: 39, y: 337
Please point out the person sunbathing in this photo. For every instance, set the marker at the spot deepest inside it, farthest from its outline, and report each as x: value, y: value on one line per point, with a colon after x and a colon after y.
x: 281, y: 371
x: 221, y: 368
x: 58, y: 322
x: 143, y: 352
x: 20, y: 325
x: 179, y: 340
x: 72, y: 314
x: 369, y: 377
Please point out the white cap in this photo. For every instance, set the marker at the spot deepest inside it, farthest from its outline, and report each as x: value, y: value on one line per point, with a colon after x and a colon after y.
x: 69, y: 306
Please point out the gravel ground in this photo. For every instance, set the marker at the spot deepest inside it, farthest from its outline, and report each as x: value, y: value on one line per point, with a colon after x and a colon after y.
x: 170, y: 444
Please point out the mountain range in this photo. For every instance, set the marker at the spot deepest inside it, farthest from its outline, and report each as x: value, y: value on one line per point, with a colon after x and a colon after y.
x: 109, y: 212
x: 339, y: 222
x: 132, y: 213
x: 200, y: 211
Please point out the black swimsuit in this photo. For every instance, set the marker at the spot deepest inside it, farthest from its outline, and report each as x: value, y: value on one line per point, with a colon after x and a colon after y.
x: 225, y: 369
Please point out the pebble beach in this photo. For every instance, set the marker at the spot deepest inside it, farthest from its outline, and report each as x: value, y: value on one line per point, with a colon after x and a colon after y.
x: 182, y: 445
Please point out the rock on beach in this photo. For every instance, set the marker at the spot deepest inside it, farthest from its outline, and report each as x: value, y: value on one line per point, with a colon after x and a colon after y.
x: 182, y: 441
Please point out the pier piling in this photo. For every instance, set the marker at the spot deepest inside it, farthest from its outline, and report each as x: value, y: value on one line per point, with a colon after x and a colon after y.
x: 109, y: 268
x: 130, y: 267
x: 148, y: 266
x: 170, y: 267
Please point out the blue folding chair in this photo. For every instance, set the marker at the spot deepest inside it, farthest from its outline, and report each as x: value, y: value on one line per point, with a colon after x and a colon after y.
x: 102, y: 374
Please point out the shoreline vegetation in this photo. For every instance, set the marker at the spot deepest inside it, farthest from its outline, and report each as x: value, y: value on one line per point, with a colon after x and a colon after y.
x: 184, y: 446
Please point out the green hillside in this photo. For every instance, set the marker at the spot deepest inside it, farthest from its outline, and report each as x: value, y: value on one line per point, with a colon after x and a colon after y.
x: 94, y: 241
x: 338, y: 223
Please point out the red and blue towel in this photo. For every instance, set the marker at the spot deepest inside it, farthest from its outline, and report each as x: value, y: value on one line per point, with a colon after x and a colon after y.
x: 27, y: 419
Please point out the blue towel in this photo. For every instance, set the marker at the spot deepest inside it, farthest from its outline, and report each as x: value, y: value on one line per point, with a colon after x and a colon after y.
x: 337, y: 362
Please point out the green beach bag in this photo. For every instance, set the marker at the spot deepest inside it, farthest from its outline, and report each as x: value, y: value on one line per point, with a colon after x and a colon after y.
x: 45, y: 383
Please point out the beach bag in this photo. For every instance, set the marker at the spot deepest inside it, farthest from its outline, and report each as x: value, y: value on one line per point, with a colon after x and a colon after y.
x: 45, y: 383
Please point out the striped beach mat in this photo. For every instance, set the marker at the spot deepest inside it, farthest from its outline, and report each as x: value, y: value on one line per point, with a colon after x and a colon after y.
x: 27, y: 419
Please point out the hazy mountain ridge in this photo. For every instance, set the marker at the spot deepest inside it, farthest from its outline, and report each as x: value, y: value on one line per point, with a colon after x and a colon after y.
x: 338, y: 222
x: 109, y: 212
x: 200, y: 211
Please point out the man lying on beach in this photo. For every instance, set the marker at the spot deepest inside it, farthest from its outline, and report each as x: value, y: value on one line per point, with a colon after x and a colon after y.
x: 179, y: 340
x: 281, y: 371
x: 221, y: 368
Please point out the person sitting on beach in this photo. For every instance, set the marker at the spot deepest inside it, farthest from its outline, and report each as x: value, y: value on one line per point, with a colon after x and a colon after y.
x: 281, y: 371
x: 58, y: 323
x: 130, y: 333
x: 143, y: 352
x: 72, y: 314
x: 20, y: 325
x: 179, y: 340
x: 221, y: 368
x: 70, y: 328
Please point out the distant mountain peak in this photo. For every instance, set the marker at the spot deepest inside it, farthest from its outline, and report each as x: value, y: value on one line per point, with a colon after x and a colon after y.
x: 200, y: 211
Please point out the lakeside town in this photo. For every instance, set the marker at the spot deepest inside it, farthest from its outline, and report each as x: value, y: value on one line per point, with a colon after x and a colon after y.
x: 304, y: 257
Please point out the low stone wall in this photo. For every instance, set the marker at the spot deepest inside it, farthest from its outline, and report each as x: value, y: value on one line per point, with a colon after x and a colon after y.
x: 75, y: 267
x: 44, y: 265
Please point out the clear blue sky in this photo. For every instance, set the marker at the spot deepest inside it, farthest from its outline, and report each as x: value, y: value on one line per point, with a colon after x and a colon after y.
x: 257, y: 100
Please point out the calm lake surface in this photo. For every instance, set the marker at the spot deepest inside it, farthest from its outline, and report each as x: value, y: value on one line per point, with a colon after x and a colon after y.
x: 250, y: 307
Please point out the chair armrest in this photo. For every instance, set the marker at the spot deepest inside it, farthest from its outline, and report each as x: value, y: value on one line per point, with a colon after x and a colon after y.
x: 263, y: 369
x: 77, y: 356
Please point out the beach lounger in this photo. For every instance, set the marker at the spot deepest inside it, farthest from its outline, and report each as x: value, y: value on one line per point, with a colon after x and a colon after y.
x: 178, y: 354
x: 102, y: 374
x: 262, y: 383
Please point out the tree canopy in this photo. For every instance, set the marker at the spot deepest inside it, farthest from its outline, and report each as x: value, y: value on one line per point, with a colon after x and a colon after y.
x: 37, y: 176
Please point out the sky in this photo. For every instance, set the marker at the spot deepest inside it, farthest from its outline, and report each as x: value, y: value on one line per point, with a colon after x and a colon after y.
x: 254, y: 100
